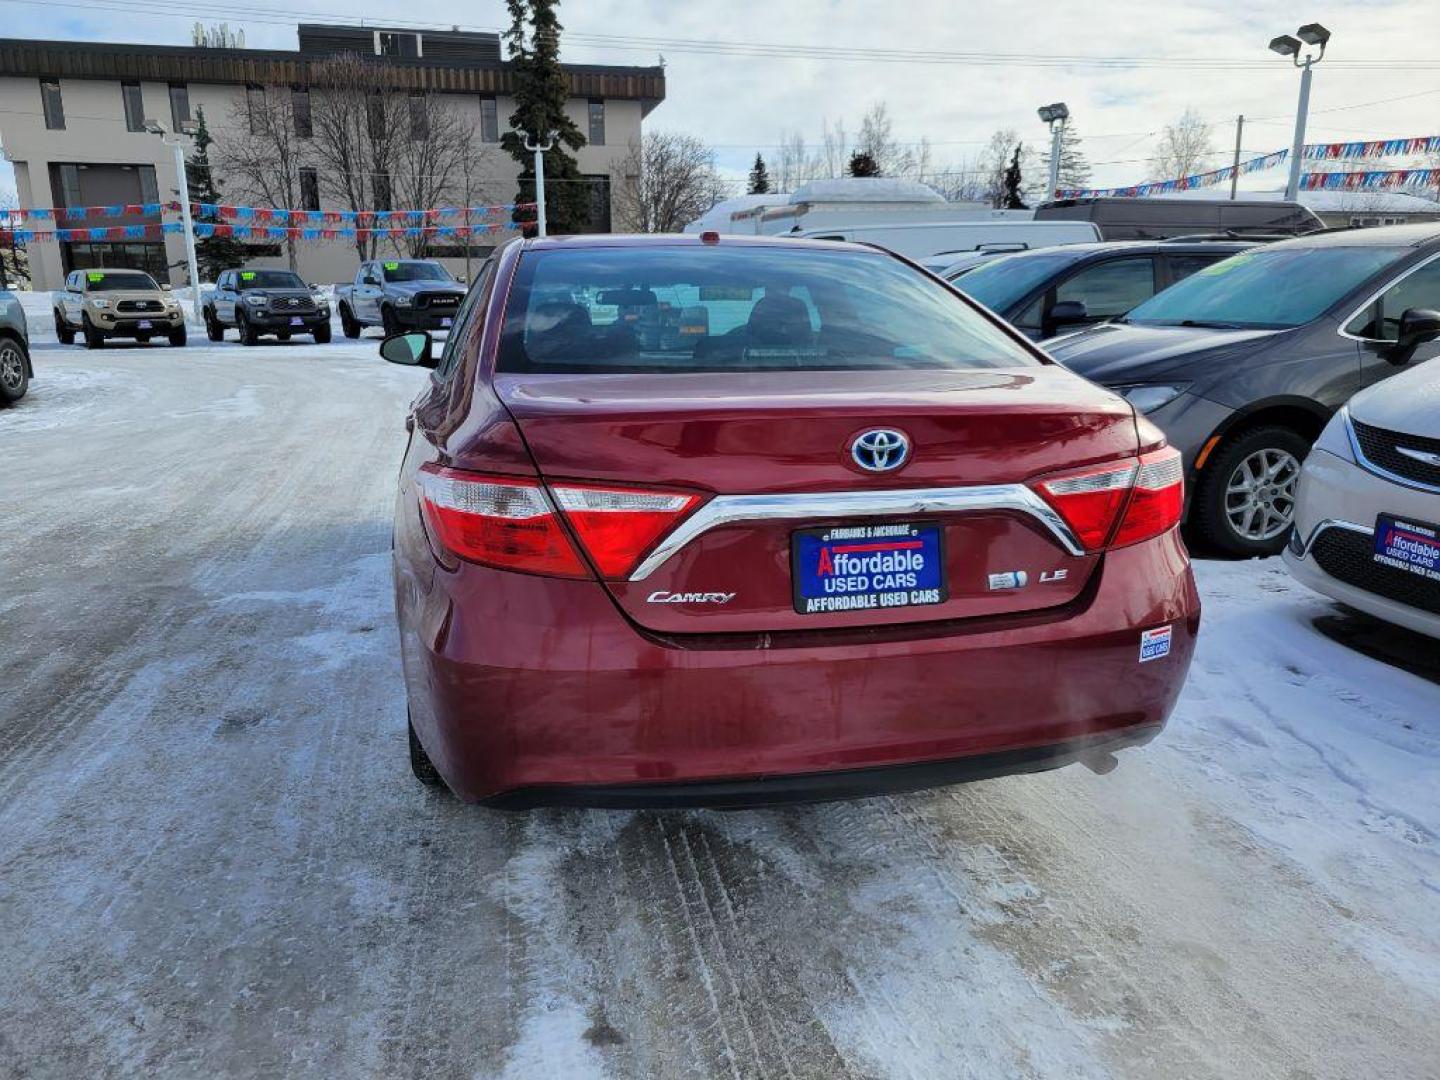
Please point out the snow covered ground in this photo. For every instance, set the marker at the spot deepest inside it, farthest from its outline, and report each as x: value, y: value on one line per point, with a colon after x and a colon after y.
x: 213, y: 860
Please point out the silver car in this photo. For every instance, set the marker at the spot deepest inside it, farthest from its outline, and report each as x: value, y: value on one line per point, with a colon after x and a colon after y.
x: 15, y: 369
x: 1367, y: 519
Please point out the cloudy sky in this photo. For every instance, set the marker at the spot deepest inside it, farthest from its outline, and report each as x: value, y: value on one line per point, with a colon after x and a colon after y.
x: 747, y: 87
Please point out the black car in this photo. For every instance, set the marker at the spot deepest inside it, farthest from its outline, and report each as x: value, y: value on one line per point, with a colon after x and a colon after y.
x: 1243, y: 363
x: 1052, y: 290
x: 257, y: 302
x: 1125, y: 218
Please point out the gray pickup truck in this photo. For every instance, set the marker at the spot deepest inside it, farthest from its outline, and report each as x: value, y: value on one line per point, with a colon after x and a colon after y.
x: 399, y: 295
x: 15, y: 369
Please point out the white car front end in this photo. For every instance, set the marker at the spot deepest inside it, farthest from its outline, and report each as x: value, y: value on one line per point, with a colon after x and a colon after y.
x: 1367, y: 519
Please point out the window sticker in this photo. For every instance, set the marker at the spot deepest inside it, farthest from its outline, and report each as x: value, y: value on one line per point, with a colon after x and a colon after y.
x: 392, y: 266
x: 247, y: 275
x: 95, y: 275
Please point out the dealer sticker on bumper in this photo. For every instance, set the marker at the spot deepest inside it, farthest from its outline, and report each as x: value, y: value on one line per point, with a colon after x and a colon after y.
x: 1154, y: 643
x: 1412, y: 546
x: 865, y: 567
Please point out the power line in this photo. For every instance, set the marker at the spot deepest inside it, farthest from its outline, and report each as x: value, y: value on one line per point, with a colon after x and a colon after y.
x: 632, y: 43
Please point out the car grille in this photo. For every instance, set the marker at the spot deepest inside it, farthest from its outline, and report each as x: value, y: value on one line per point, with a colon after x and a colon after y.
x: 291, y: 303
x: 139, y: 305
x: 1382, y: 448
x: 1348, y: 556
x: 438, y: 301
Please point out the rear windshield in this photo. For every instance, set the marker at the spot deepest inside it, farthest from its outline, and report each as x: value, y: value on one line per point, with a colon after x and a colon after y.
x: 1266, y: 288
x: 269, y: 279
x: 1003, y: 282
x: 114, y: 280
x: 687, y: 309
x: 415, y: 271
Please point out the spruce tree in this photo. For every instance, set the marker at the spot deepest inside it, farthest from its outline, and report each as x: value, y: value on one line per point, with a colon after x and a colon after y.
x: 541, y: 90
x: 759, y: 177
x: 1014, y: 182
x: 1074, y: 168
x: 863, y: 163
x: 214, y: 253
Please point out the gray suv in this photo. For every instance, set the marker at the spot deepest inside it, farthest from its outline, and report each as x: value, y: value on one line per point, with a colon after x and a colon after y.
x: 15, y: 368
x: 1243, y: 363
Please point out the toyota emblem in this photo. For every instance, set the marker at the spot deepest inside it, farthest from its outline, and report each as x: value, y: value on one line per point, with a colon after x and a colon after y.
x: 880, y: 449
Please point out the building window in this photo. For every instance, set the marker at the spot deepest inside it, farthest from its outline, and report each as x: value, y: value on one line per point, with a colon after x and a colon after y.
x: 382, y: 191
x: 149, y: 189
x: 300, y: 106
x: 179, y: 106
x: 399, y: 46
x: 489, y: 120
x: 255, y: 108
x: 375, y: 116
x: 419, y: 117
x: 134, y: 106
x: 597, y: 122
x: 309, y: 189
x: 54, y: 107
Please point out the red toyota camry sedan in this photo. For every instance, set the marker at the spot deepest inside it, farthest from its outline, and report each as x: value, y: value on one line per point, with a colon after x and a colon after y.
x: 702, y: 520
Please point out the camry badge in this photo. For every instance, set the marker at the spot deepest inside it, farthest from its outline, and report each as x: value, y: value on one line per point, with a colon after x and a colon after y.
x: 690, y: 598
x: 880, y: 449
x: 1420, y: 455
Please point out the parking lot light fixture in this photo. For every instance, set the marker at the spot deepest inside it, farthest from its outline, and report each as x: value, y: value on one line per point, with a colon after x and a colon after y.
x: 1312, y: 34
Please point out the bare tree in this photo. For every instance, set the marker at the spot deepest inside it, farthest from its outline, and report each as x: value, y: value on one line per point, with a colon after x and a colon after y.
x: 795, y: 165
x: 260, y: 152
x: 1185, y: 148
x: 440, y: 164
x: 877, y: 138
x: 361, y: 122
x: 995, y: 160
x: 835, y: 147
x: 665, y: 181
x: 14, y: 258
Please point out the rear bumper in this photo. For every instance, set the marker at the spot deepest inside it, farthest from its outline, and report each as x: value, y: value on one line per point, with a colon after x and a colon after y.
x: 528, y: 691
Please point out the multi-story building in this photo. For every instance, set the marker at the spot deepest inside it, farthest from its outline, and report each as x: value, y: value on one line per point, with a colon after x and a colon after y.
x: 73, y: 121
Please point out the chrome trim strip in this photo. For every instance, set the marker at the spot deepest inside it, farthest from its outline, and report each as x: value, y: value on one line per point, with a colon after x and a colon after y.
x: 1376, y: 470
x: 1376, y: 296
x: 1327, y: 524
x: 833, y: 505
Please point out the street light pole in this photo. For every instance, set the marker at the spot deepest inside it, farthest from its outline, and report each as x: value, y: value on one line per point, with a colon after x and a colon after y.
x: 1285, y: 45
x: 1055, y: 115
x: 184, y: 185
x: 538, y: 149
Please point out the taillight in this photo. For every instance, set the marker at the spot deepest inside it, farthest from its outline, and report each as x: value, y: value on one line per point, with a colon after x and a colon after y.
x: 617, y: 526
x: 1158, y: 500
x: 497, y: 521
x: 1145, y: 495
x: 511, y: 523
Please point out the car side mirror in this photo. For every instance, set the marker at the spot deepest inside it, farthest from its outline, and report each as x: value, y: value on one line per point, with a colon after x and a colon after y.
x: 167, y: 287
x: 312, y: 285
x: 1417, y: 326
x: 1068, y: 313
x: 409, y: 350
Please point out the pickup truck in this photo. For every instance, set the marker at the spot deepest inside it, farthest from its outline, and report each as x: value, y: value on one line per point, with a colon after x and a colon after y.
x: 15, y: 369
x: 399, y: 295
x: 259, y: 302
x: 105, y: 304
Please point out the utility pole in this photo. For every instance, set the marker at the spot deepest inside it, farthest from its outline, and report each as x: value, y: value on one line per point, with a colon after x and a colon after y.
x: 538, y: 149
x: 1235, y: 176
x: 1055, y: 115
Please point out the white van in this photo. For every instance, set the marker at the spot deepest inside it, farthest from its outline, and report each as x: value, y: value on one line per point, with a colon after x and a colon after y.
x: 927, y: 240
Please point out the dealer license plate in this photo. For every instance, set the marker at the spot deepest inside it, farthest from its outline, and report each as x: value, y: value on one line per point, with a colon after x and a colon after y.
x: 295, y: 320
x: 867, y: 567
x: 143, y: 324
x: 1403, y: 544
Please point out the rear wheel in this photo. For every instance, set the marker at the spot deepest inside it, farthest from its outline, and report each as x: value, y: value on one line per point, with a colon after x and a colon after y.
x: 420, y: 763
x: 248, y: 336
x: 1245, y: 499
x: 348, y: 326
x: 63, y: 331
x: 178, y: 336
x: 213, y: 330
x: 94, y: 337
x: 322, y: 334
x: 14, y: 378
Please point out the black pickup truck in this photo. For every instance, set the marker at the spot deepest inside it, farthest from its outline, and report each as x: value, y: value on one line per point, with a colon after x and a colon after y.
x: 257, y: 302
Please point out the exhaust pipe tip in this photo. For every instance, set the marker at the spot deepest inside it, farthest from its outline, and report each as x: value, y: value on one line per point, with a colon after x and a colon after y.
x: 1100, y: 764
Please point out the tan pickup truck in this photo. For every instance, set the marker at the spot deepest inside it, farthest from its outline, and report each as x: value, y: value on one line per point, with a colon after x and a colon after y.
x: 104, y: 304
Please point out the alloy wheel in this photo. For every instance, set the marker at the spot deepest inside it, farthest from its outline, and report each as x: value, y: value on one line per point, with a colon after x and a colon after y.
x: 12, y: 368
x: 1260, y: 494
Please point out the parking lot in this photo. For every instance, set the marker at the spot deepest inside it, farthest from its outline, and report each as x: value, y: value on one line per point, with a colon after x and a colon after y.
x: 214, y: 860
